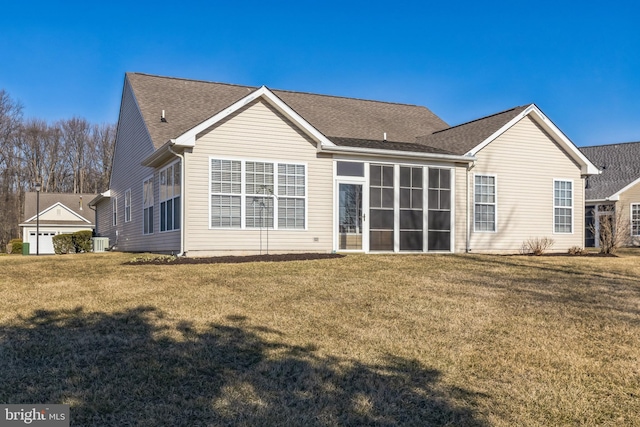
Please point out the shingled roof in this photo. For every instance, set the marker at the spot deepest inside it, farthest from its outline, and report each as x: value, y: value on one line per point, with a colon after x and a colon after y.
x: 77, y: 203
x: 464, y: 137
x: 619, y: 165
x: 188, y: 103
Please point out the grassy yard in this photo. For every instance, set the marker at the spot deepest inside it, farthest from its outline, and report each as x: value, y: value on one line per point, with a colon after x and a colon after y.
x: 376, y: 340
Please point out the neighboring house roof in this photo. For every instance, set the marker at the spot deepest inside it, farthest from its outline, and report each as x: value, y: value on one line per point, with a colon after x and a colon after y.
x: 188, y: 103
x: 76, y: 203
x: 464, y: 137
x: 620, y: 167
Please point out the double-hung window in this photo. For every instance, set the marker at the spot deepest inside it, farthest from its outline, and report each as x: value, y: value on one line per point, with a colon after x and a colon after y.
x: 170, y: 198
x: 484, y: 203
x: 114, y: 210
x: 635, y: 219
x: 562, y: 206
x: 292, y: 196
x: 147, y: 206
x: 127, y: 205
x: 257, y: 194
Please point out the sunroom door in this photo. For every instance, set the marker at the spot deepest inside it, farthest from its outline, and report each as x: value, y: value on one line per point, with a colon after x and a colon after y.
x: 350, y: 217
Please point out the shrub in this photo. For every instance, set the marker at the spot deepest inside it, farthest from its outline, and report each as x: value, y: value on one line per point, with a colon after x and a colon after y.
x: 16, y: 246
x: 82, y: 241
x: 576, y: 250
x: 63, y: 244
x: 536, y: 246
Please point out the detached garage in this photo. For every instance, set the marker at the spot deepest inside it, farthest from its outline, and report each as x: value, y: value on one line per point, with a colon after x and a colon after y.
x: 59, y: 213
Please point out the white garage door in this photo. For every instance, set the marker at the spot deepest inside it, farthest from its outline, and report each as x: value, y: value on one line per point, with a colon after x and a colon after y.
x: 46, y: 242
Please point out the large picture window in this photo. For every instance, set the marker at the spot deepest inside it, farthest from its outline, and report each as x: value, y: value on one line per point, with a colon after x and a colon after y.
x: 562, y: 206
x: 252, y: 194
x: 484, y: 203
x: 635, y: 219
x: 170, y: 198
x: 147, y: 206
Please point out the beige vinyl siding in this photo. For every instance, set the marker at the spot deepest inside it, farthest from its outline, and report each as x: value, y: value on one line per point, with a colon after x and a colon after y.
x: 104, y: 220
x: 627, y: 198
x: 257, y: 132
x: 133, y: 144
x: 525, y: 161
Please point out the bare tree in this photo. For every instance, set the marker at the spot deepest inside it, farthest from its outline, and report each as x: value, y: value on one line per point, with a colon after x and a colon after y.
x: 613, y: 230
x: 71, y: 156
x: 75, y: 132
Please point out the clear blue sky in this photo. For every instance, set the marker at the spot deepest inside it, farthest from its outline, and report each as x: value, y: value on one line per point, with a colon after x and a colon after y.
x: 578, y: 61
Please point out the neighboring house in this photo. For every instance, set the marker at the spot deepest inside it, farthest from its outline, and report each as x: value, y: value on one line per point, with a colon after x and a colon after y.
x: 207, y: 168
x: 59, y: 213
x: 616, y: 189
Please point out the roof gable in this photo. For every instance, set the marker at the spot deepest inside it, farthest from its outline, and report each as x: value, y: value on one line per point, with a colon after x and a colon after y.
x: 471, y: 137
x: 620, y: 169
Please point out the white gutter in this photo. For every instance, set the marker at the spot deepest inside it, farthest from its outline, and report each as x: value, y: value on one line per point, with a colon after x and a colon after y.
x: 182, y: 200
x: 340, y: 149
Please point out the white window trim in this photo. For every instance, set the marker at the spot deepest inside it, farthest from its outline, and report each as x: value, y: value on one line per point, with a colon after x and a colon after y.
x: 160, y: 199
x: 127, y: 205
x: 149, y: 178
x: 495, y: 203
x: 553, y: 204
x: 114, y: 212
x: 631, y: 205
x: 243, y: 194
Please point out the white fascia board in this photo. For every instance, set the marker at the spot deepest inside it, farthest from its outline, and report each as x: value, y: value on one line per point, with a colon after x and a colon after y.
x: 605, y: 200
x: 587, y: 168
x: 188, y: 139
x: 625, y: 188
x: 99, y: 197
x: 58, y: 204
x: 398, y: 154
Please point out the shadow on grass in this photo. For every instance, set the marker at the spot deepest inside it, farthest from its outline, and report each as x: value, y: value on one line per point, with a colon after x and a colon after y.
x: 137, y: 368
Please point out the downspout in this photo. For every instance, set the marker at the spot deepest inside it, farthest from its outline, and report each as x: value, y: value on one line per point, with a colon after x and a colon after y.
x: 182, y: 199
x: 468, y: 239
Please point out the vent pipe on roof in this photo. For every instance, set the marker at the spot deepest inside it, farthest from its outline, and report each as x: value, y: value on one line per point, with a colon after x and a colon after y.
x: 384, y: 137
x: 162, y: 118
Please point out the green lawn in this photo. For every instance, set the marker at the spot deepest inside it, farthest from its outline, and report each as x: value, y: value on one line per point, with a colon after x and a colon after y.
x: 378, y: 340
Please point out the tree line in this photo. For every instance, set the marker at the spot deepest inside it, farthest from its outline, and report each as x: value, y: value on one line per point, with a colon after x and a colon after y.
x: 67, y: 156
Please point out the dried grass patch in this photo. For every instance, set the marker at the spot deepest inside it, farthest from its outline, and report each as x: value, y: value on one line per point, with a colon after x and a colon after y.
x: 359, y: 340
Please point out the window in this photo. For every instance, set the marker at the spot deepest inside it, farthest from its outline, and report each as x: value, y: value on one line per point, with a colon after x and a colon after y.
x: 292, y: 193
x: 147, y: 206
x: 350, y: 169
x: 226, y: 188
x: 485, y: 203
x: 127, y: 205
x: 635, y: 219
x: 439, y: 199
x: 381, y: 208
x: 170, y: 198
x: 411, y: 214
x: 562, y: 206
x: 248, y: 194
x: 114, y: 210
